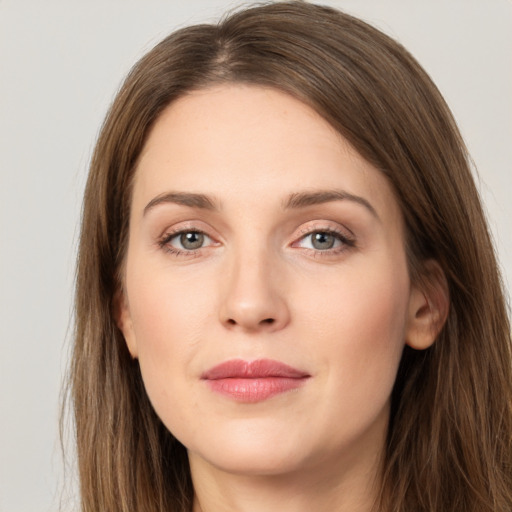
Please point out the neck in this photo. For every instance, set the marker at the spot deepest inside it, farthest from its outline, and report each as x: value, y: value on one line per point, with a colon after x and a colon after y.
x: 322, y: 488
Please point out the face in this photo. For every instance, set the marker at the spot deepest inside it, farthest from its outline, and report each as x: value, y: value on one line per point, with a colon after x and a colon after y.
x: 267, y: 295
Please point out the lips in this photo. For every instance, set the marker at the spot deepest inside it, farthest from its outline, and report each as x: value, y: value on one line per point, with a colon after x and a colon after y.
x: 253, y: 381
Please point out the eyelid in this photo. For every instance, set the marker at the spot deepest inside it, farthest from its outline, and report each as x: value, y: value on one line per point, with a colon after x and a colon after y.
x: 183, y: 226
x: 324, y: 226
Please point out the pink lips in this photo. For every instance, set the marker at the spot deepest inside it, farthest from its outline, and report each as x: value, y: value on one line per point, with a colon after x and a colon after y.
x: 253, y: 381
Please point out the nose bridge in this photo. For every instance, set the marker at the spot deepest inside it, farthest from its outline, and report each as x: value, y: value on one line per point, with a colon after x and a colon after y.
x: 252, y: 297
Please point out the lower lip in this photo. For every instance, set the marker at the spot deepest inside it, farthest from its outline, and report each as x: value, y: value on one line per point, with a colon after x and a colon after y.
x: 252, y: 390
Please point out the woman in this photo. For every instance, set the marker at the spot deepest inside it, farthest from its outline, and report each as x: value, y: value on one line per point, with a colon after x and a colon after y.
x: 287, y: 297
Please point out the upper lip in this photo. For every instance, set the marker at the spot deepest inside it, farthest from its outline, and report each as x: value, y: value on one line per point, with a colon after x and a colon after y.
x: 260, y: 368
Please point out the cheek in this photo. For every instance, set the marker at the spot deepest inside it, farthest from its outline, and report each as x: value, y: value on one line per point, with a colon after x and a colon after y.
x: 164, y: 307
x: 168, y: 321
x: 360, y: 328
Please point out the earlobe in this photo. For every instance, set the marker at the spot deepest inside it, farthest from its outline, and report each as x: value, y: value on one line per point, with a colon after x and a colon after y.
x: 124, y: 322
x: 428, y: 308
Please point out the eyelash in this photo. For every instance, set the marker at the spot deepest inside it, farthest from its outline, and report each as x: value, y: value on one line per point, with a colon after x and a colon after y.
x: 347, y: 242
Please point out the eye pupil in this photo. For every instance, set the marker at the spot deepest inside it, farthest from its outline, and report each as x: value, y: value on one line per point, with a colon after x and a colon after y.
x: 322, y: 240
x: 192, y: 240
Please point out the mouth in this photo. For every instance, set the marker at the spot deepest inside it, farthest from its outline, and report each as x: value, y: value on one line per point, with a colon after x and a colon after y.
x: 253, y: 381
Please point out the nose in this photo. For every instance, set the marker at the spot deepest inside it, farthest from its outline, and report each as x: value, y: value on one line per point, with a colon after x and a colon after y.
x: 254, y: 298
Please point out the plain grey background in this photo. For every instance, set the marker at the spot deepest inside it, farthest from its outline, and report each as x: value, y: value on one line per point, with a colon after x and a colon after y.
x: 60, y: 65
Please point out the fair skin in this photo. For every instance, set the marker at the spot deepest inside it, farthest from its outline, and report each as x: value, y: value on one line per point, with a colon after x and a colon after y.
x: 257, y: 232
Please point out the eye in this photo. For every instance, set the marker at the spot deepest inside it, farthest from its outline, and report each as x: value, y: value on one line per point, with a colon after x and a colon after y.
x: 186, y: 241
x: 324, y: 240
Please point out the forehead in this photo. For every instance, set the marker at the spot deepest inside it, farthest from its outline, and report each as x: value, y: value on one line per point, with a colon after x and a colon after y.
x: 244, y: 142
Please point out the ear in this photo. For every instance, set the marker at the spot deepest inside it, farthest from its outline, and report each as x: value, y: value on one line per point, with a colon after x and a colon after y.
x: 429, y: 304
x: 124, y: 322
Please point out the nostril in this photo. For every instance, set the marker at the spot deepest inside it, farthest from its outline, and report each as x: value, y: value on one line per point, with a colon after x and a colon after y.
x: 265, y: 321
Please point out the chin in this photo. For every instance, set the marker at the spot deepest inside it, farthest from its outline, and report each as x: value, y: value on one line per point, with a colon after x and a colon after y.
x: 251, y: 453
x: 246, y: 463
x: 269, y: 447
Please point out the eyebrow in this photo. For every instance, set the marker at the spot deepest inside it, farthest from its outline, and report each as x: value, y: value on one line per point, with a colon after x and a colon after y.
x: 294, y: 201
x: 190, y: 199
x: 304, y: 199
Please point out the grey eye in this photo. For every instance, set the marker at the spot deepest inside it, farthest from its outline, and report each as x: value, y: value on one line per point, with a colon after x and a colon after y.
x: 322, y: 240
x: 192, y: 240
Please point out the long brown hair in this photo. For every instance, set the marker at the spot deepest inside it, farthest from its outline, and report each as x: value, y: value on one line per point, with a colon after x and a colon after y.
x: 449, y: 446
